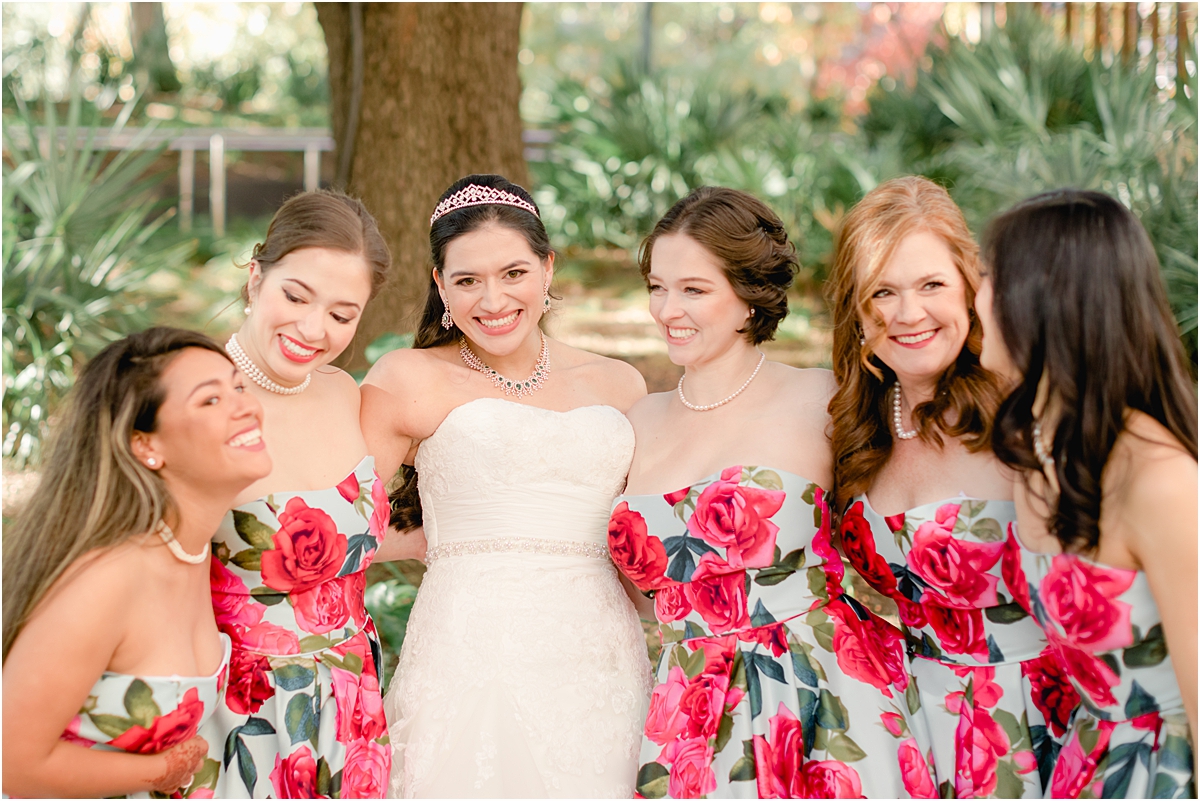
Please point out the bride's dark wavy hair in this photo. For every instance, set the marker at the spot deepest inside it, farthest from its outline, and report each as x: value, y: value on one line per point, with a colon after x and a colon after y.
x: 405, y: 499
x: 1079, y: 299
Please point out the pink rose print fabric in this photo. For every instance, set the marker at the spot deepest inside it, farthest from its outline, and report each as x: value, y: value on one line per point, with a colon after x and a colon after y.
x: 147, y: 715
x: 986, y: 704
x: 303, y: 714
x: 771, y: 682
x: 1130, y: 737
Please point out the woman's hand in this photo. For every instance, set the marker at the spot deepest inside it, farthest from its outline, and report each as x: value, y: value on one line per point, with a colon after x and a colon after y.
x: 179, y: 764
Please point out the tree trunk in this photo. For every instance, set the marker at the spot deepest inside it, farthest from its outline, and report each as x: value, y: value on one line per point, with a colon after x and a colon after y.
x: 439, y: 99
x: 151, y: 52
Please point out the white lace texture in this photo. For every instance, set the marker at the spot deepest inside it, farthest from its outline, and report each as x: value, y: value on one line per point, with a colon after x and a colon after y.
x: 522, y: 674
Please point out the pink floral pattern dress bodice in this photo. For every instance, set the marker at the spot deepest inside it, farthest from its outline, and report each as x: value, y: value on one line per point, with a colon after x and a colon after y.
x: 149, y: 714
x: 771, y: 682
x: 1130, y: 737
x: 303, y: 715
x: 987, y: 703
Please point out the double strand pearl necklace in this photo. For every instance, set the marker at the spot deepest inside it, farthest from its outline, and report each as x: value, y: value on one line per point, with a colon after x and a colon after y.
x: 762, y: 358
x: 167, y: 536
x: 251, y: 371
x: 896, y: 422
x: 541, y: 370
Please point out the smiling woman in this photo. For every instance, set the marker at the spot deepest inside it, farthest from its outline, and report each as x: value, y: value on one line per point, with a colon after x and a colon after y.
x: 911, y: 424
x: 303, y: 715
x: 524, y: 671
x: 106, y: 574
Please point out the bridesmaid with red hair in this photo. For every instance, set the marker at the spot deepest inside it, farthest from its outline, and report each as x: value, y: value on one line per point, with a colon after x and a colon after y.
x: 927, y: 509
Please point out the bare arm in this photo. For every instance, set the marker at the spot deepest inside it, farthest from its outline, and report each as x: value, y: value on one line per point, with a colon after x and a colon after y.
x: 382, y: 429
x: 48, y: 675
x: 643, y: 605
x: 1161, y: 513
x: 399, y: 545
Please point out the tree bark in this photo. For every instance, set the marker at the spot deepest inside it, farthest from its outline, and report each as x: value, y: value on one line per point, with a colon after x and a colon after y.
x: 439, y: 99
x: 151, y: 51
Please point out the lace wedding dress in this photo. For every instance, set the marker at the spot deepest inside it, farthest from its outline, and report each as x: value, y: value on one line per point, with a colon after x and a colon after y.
x: 524, y: 670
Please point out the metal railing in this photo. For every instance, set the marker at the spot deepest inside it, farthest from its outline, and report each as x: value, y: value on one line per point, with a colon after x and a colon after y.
x: 312, y: 142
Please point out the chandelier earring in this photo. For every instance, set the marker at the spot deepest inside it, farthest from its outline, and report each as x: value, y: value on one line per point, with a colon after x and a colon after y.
x: 545, y: 298
x: 447, y: 320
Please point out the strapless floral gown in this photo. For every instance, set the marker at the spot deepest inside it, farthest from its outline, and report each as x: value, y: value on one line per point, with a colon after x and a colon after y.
x: 1130, y: 737
x: 149, y: 714
x: 524, y: 670
x: 303, y: 715
x: 771, y: 682
x: 988, y: 704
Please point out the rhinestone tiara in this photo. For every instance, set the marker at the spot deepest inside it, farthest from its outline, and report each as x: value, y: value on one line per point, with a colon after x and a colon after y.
x: 475, y: 195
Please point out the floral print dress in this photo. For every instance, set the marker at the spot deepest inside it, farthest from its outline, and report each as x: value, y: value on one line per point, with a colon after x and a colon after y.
x: 149, y: 714
x: 987, y: 703
x: 303, y: 715
x: 1130, y: 737
x: 771, y: 682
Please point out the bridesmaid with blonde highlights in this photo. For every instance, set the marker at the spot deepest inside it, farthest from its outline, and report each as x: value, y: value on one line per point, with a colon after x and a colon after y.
x: 926, y: 509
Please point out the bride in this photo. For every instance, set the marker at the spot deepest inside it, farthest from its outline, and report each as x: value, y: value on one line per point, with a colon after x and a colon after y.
x: 524, y: 669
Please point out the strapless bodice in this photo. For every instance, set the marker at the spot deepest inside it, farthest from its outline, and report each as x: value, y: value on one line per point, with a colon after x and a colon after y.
x: 492, y: 462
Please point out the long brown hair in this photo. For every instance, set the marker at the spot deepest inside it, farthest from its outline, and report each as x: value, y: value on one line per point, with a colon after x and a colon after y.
x: 966, y: 395
x: 94, y: 494
x: 1079, y: 302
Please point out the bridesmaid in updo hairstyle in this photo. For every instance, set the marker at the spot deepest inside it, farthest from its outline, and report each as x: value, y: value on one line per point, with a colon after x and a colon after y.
x: 771, y: 683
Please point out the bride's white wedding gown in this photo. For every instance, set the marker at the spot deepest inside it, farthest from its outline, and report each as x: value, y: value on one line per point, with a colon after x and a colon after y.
x: 524, y: 670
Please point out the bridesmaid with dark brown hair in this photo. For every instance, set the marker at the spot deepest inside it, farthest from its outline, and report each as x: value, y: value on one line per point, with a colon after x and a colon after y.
x: 927, y: 509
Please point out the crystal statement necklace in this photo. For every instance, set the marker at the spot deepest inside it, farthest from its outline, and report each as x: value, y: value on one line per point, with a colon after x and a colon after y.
x: 541, y: 370
x: 737, y: 392
x: 251, y: 371
x: 168, y: 537
x: 896, y: 423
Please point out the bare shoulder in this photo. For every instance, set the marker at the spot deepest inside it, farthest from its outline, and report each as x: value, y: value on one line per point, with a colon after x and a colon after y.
x: 808, y: 384
x: 340, y: 384
x: 403, y: 367
x: 649, y: 410
x: 1156, y: 464
x: 617, y: 382
x: 99, y: 581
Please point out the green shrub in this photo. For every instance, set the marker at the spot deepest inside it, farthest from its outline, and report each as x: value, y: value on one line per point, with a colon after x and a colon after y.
x: 78, y: 271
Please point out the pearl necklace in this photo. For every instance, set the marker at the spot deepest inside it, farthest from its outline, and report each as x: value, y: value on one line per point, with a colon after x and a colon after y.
x: 1039, y: 449
x: 251, y: 371
x: 541, y: 370
x: 709, y: 406
x: 168, y: 537
x: 896, y: 422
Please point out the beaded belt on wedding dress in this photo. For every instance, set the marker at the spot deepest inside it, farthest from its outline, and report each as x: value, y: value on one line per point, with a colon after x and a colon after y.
x: 593, y: 550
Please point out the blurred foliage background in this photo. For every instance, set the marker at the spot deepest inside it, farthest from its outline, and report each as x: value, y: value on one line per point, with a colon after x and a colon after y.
x: 630, y: 106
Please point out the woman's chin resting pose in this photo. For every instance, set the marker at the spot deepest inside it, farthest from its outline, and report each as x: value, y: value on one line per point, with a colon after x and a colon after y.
x: 112, y: 658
